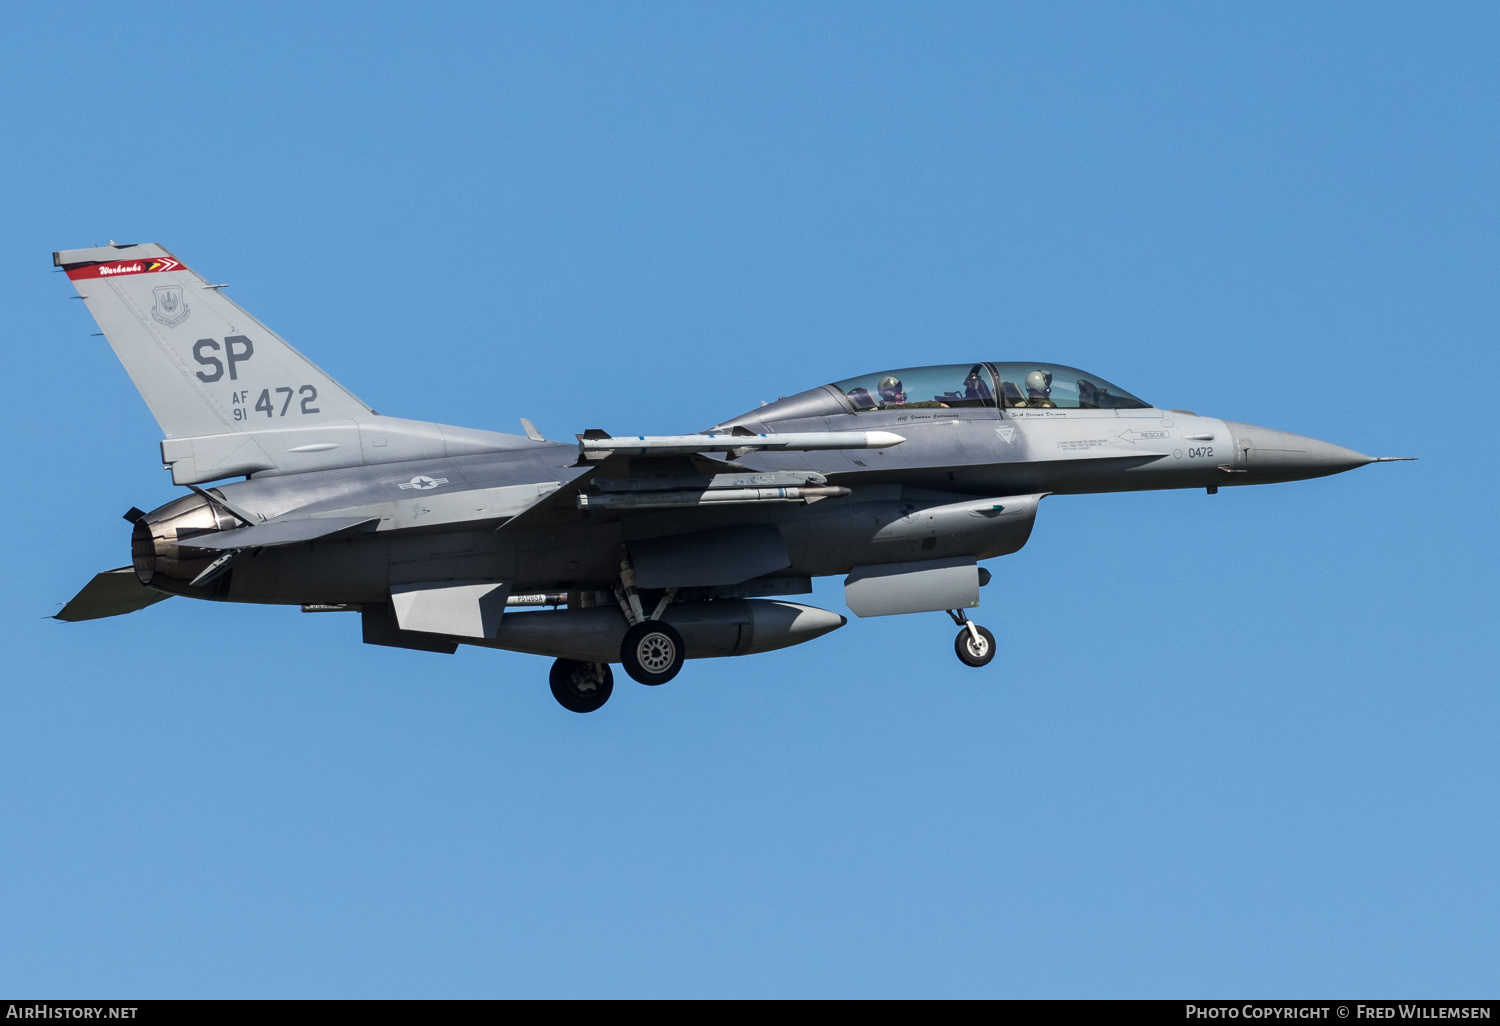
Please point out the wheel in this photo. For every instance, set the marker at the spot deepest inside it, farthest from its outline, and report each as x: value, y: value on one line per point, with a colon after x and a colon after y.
x: 581, y: 687
x: 652, y: 652
x: 969, y: 653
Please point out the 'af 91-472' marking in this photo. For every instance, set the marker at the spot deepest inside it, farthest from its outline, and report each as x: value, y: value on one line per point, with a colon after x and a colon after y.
x: 268, y: 405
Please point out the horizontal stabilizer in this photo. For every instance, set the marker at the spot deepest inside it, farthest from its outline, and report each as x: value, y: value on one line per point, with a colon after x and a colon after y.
x: 111, y: 593
x: 282, y: 532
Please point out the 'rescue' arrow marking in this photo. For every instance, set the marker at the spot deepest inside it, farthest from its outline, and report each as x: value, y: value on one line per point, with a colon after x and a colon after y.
x: 1132, y: 436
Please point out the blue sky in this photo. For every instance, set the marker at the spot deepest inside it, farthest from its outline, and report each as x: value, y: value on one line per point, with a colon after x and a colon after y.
x: 1232, y: 745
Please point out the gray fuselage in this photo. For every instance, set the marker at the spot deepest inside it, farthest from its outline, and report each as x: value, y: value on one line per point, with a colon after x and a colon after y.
x: 458, y: 518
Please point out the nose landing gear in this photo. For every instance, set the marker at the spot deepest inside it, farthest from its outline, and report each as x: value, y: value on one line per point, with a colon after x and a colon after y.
x: 975, y: 645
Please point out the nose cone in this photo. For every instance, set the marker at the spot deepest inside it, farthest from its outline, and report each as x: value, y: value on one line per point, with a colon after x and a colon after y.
x: 1265, y: 454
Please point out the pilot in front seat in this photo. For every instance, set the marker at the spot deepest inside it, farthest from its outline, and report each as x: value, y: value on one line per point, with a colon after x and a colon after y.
x: 1039, y: 389
x: 891, y: 391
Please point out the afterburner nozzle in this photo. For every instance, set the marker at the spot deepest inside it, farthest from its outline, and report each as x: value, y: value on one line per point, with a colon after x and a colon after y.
x: 162, y: 552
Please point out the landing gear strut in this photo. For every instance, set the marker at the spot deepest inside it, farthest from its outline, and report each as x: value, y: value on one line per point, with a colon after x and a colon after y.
x: 975, y: 645
x: 581, y: 687
x: 652, y: 651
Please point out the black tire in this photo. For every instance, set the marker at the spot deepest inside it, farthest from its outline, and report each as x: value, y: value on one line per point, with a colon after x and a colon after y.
x: 581, y: 687
x: 652, y: 652
x: 964, y: 646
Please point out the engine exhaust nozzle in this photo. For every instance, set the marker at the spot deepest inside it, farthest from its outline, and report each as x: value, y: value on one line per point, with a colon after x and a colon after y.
x: 162, y: 552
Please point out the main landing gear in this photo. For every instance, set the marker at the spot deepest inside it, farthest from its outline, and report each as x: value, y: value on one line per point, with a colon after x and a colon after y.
x: 975, y: 645
x: 652, y: 651
x: 581, y: 687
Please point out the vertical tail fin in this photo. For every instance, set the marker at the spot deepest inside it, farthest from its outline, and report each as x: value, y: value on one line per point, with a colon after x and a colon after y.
x: 230, y: 395
x: 203, y: 365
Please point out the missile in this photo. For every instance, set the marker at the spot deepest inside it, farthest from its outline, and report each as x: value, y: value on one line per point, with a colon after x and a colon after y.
x: 597, y: 444
x: 709, y: 497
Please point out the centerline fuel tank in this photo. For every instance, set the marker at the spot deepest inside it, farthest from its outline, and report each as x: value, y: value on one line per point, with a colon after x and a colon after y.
x: 722, y: 627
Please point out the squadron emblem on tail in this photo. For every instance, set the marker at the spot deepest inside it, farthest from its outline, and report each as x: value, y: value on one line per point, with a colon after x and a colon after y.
x: 170, y: 308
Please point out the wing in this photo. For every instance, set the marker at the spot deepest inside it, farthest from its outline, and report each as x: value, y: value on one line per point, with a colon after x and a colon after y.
x: 562, y: 505
x: 112, y: 593
x: 637, y: 473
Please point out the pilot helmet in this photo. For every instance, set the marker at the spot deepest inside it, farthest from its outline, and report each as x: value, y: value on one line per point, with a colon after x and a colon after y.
x: 1039, y: 383
x: 890, y: 389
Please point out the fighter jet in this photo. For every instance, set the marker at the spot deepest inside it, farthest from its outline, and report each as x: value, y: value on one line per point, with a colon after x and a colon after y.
x: 639, y: 550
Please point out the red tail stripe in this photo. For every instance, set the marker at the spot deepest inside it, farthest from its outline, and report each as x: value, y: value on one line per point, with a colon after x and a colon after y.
x: 149, y: 265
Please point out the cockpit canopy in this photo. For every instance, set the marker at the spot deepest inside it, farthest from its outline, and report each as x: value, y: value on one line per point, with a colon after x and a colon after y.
x: 922, y: 387
x: 1014, y: 385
